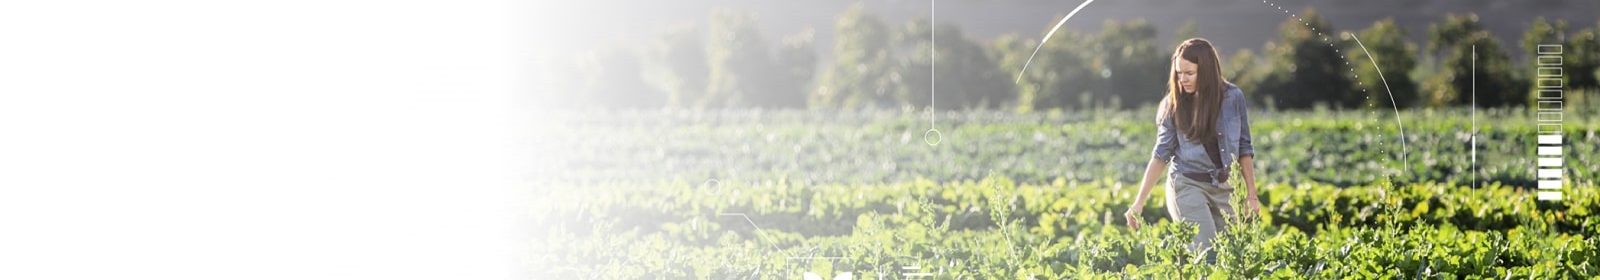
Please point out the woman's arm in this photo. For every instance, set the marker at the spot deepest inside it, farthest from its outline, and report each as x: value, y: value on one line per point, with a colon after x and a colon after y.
x: 1247, y: 154
x: 1152, y: 173
x: 1245, y: 165
x: 1166, y: 146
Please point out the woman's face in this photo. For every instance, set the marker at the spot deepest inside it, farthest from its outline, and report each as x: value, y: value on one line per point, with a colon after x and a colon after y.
x: 1185, y: 71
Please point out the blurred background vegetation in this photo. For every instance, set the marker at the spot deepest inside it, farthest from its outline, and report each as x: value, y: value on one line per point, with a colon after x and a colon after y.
x: 723, y: 55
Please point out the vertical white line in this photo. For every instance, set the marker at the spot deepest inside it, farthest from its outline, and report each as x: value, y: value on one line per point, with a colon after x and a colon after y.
x: 1474, y: 137
x: 933, y: 61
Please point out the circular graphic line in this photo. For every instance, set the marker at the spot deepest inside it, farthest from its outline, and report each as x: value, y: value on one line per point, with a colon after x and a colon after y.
x: 1397, y: 121
x: 1047, y: 39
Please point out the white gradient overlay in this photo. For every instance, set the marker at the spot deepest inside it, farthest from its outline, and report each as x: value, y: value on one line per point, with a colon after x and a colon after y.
x: 258, y: 140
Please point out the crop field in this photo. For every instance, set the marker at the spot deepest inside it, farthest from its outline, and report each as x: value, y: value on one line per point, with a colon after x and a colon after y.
x: 862, y: 194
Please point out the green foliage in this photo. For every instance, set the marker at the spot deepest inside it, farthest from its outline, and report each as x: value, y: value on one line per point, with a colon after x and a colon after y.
x: 1131, y: 65
x: 680, y: 54
x: 1493, y: 80
x: 1040, y: 194
x: 735, y: 53
x: 1452, y: 30
x: 1543, y: 32
x: 863, y: 71
x: 1118, y: 68
x: 881, y: 65
x: 1583, y: 54
x: 1491, y: 74
x: 1391, y: 53
x: 968, y: 76
x: 795, y: 65
x: 1344, y: 148
x: 1307, y: 67
x: 732, y: 67
x: 1060, y: 76
x: 996, y: 228
x: 1245, y: 70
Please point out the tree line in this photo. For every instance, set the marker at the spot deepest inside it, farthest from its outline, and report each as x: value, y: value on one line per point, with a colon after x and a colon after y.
x: 728, y: 63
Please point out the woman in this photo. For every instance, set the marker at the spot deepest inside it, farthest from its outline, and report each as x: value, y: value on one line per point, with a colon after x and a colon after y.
x: 1201, y: 124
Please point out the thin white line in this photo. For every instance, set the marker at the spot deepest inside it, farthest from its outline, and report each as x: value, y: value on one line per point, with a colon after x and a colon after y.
x: 1047, y: 39
x: 933, y: 61
x: 1396, y: 105
x: 752, y: 224
x: 759, y: 236
x: 1474, y: 139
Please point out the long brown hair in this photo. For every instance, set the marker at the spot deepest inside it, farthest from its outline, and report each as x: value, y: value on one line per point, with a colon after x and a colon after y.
x: 1196, y: 119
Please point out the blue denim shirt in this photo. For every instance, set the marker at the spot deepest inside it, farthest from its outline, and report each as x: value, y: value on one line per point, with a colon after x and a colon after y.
x: 1233, y: 125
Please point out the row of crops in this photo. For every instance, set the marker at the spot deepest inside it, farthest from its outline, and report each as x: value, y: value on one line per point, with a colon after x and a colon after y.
x: 785, y: 195
x: 1339, y: 148
x: 996, y: 228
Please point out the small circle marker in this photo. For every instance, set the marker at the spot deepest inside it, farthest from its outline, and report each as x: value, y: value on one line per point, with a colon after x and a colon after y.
x: 711, y: 184
x: 932, y: 137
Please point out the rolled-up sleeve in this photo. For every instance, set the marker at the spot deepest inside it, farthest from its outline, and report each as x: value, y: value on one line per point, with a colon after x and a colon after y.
x: 1245, y: 147
x: 1166, y: 137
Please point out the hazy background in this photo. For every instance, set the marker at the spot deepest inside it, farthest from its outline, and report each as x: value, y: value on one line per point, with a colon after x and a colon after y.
x: 641, y: 54
x: 593, y: 24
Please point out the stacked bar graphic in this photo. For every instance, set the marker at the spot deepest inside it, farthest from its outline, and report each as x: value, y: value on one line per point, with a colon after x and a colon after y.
x: 1549, y: 157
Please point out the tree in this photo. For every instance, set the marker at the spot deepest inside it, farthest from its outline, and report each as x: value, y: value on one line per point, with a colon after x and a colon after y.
x: 1060, y: 76
x: 1245, y: 71
x: 862, y: 74
x: 1011, y: 51
x: 1307, y: 68
x: 1491, y: 74
x: 680, y: 54
x: 1386, y: 42
x: 1486, y: 81
x: 736, y: 56
x: 1451, y: 31
x: 1543, y: 32
x: 1583, y: 49
x: 796, y: 62
x: 732, y: 68
x: 1443, y: 36
x: 1127, y: 60
x: 967, y: 76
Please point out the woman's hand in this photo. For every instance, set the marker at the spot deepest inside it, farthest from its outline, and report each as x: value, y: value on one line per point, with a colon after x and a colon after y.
x: 1253, y: 205
x: 1152, y: 172
x: 1252, y: 208
x: 1246, y: 164
x: 1133, y: 216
